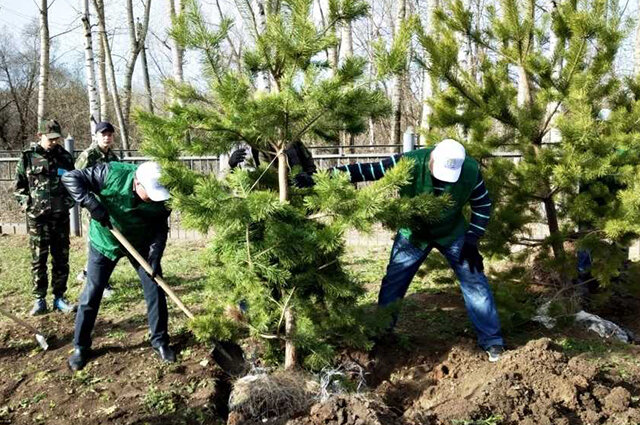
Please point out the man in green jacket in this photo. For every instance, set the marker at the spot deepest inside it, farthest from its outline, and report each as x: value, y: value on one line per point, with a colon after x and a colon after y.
x: 131, y: 199
x: 444, y: 168
x: 98, y: 152
x: 46, y: 202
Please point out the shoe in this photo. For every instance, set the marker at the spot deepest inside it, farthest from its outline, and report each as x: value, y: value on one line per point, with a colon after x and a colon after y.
x: 39, y: 307
x: 63, y: 305
x: 166, y: 354
x: 108, y: 292
x: 78, y: 360
x: 82, y: 276
x: 495, y: 352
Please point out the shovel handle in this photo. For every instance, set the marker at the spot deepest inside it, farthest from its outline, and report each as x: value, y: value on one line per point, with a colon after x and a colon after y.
x: 18, y: 320
x: 147, y: 267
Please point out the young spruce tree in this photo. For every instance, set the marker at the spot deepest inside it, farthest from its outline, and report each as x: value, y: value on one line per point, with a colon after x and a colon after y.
x: 545, y: 71
x: 277, y: 250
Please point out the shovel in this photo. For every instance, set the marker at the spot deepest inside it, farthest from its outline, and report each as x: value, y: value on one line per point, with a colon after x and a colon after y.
x: 228, y: 355
x: 39, y: 337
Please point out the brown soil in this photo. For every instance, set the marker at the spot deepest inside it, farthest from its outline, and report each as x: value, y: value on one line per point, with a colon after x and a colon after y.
x: 534, y: 384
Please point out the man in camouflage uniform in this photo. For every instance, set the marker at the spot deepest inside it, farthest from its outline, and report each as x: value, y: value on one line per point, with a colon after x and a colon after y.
x: 99, y: 152
x: 46, y: 202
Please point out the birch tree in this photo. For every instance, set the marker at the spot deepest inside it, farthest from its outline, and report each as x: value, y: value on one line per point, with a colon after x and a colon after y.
x: 398, y: 84
x: 94, y: 104
x: 43, y: 85
x: 175, y: 10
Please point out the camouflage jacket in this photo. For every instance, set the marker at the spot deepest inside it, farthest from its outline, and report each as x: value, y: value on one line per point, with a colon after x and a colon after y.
x: 38, y: 188
x: 94, y: 156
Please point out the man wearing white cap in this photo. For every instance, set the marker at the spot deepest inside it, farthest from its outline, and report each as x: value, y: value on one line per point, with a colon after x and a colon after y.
x: 131, y: 199
x: 444, y: 168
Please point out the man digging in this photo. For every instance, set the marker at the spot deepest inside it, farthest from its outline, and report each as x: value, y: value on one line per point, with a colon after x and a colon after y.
x: 131, y: 199
x: 444, y: 168
x: 46, y: 202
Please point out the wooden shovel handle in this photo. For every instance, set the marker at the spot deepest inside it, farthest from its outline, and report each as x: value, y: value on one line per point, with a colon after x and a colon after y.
x: 18, y: 320
x: 147, y: 267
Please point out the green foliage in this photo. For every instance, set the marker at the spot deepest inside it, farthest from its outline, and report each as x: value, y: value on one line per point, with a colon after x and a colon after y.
x: 571, y: 161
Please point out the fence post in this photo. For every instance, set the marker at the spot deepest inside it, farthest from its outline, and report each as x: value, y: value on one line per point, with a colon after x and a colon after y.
x: 74, y: 222
x: 408, y: 140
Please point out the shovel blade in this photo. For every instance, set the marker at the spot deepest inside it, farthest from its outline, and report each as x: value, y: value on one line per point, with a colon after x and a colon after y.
x: 230, y: 357
x: 42, y: 341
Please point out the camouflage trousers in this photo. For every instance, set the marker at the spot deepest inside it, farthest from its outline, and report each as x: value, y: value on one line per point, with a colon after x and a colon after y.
x: 49, y: 234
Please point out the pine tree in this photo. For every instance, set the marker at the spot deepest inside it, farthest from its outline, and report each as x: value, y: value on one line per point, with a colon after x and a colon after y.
x: 546, y: 67
x: 277, y: 250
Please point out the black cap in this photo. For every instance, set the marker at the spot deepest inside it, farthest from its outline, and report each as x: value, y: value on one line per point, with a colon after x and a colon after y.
x: 103, y: 126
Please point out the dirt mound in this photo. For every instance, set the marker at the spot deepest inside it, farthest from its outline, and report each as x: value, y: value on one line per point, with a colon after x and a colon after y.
x: 535, y: 384
x: 348, y: 410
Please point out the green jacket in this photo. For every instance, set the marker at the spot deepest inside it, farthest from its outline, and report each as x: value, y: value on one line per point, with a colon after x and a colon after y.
x: 38, y: 185
x: 452, y: 223
x: 93, y: 155
x: 144, y: 224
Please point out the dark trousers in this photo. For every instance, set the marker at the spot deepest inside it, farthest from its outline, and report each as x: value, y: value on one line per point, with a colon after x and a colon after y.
x: 49, y: 233
x: 99, y: 269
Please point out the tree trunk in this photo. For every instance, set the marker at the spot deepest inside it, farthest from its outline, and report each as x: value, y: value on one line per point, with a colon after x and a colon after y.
x: 136, y: 44
x: 94, y: 106
x: 427, y: 81
x: 124, y: 135
x: 145, y: 76
x: 398, y: 85
x: 175, y: 10
x: 43, y: 86
x: 103, y: 88
x: 290, y: 351
x: 347, y: 52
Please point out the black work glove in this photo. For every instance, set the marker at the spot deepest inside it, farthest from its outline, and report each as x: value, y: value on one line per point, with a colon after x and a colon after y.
x: 100, y: 214
x: 156, y: 270
x: 237, y: 157
x: 302, y: 180
x: 470, y: 253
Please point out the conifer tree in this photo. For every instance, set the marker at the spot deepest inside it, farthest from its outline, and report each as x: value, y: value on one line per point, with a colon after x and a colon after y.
x: 543, y: 68
x: 277, y: 250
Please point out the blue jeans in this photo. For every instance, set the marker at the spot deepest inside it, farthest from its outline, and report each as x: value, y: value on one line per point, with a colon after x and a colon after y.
x: 99, y: 269
x: 404, y: 264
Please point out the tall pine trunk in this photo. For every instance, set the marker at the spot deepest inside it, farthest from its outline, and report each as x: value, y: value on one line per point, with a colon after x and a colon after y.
x: 92, y: 93
x: 145, y: 75
x: 43, y: 85
x: 175, y: 9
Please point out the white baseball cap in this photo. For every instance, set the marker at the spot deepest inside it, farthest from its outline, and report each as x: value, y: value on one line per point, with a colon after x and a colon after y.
x: 448, y: 157
x: 148, y: 175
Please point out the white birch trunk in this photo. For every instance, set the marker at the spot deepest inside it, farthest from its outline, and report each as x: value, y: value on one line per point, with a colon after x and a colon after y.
x: 92, y: 93
x: 43, y: 85
x: 427, y: 81
x: 175, y: 9
x: 398, y: 85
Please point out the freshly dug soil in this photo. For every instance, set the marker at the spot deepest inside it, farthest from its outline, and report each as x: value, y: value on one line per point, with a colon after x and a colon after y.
x: 536, y: 384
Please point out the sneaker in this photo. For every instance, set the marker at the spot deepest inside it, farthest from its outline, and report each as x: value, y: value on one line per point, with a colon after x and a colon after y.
x: 78, y: 360
x: 108, y: 292
x: 494, y: 352
x: 82, y: 276
x: 39, y: 307
x: 61, y: 304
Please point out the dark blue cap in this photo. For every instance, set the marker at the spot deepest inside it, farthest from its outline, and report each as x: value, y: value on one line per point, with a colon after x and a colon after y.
x: 103, y: 126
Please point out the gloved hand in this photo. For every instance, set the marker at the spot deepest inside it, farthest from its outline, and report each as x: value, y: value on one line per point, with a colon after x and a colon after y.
x: 156, y: 269
x: 100, y: 214
x: 470, y: 253
x: 302, y: 180
x: 237, y: 157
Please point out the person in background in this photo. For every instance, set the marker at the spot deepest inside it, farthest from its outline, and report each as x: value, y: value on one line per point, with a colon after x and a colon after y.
x: 99, y: 152
x: 46, y: 202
